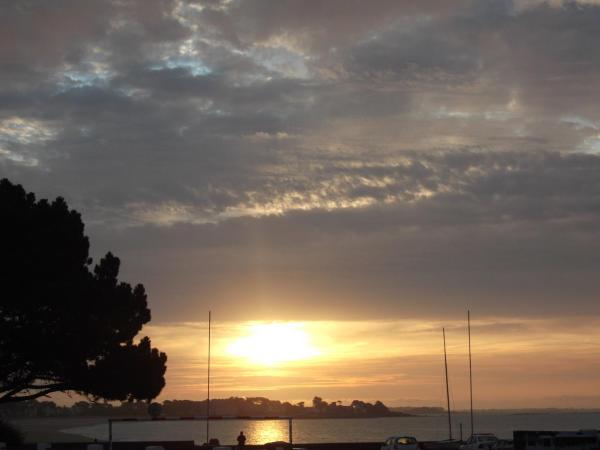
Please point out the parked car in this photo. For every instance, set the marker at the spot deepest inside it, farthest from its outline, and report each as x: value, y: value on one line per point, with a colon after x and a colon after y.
x: 505, y: 444
x: 480, y: 441
x: 400, y: 443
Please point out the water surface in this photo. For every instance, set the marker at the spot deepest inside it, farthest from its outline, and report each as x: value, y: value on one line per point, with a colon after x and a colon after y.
x: 343, y: 430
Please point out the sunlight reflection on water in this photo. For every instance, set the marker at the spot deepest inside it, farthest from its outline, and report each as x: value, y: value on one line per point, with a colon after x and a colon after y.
x: 267, y: 431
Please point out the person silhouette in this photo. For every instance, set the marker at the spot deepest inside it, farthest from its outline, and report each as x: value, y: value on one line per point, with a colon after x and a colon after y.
x: 241, y: 440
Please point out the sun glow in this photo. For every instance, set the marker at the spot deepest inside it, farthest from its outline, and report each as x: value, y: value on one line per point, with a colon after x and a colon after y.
x: 275, y: 343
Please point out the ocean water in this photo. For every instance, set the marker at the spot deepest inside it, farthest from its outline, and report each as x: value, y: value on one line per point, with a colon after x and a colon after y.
x: 343, y: 430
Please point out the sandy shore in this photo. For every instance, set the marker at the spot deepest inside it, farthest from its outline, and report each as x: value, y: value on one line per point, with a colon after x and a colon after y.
x: 49, y: 429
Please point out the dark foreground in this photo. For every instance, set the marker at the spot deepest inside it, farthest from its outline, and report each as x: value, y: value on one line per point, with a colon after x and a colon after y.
x: 189, y: 445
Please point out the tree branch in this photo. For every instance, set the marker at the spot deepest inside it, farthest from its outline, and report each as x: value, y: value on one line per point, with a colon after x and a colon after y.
x: 48, y: 389
x: 23, y: 385
x: 10, y: 392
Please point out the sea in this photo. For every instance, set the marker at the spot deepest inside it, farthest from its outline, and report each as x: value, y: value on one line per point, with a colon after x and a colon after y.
x: 424, y: 428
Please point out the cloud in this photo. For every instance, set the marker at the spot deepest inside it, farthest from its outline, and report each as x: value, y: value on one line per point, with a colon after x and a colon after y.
x: 390, y: 158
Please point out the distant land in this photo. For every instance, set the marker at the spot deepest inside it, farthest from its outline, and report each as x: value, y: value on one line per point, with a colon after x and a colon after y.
x: 418, y: 410
x: 233, y: 406
x: 435, y: 410
x: 527, y: 411
x: 246, y: 406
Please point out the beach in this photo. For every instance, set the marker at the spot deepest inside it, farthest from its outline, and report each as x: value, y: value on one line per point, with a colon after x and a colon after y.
x: 49, y: 429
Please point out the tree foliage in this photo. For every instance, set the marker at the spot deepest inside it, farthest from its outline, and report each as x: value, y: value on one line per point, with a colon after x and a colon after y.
x: 65, y: 325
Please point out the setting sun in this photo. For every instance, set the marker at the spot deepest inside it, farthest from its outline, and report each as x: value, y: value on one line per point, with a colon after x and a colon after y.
x: 274, y: 343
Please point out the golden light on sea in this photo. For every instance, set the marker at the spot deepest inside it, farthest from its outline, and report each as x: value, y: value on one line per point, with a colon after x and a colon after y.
x: 274, y: 343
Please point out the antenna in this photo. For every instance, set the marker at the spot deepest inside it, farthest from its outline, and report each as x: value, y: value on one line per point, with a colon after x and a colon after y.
x: 208, y: 386
x: 470, y: 368
x: 447, y: 388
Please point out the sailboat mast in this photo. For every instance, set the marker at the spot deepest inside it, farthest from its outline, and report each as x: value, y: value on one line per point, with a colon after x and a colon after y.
x: 208, y: 386
x: 447, y: 388
x: 470, y: 369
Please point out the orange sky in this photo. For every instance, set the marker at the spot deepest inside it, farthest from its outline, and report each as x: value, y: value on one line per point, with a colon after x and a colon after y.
x: 517, y: 363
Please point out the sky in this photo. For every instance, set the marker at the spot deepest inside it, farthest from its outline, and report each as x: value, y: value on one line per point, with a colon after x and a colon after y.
x: 353, y: 175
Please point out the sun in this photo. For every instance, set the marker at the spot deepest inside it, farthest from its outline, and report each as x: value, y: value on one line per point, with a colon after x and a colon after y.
x: 274, y: 343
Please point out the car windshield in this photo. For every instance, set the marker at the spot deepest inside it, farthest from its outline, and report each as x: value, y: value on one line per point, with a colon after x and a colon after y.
x: 406, y: 440
x: 488, y: 438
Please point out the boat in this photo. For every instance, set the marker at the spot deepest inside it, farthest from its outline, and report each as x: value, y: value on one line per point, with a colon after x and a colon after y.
x: 450, y: 443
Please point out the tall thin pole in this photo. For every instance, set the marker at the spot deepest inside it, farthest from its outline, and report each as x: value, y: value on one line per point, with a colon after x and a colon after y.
x: 470, y: 368
x: 208, y: 386
x: 447, y: 388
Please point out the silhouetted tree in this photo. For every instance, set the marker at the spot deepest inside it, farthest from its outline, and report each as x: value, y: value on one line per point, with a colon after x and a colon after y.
x: 379, y: 408
x: 319, y: 404
x: 64, y: 326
